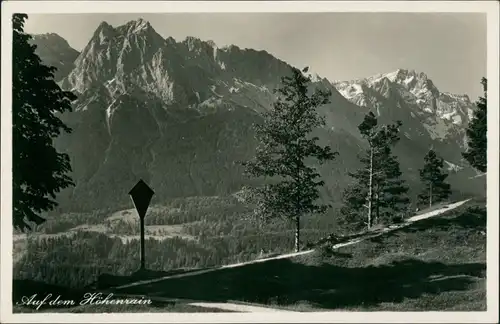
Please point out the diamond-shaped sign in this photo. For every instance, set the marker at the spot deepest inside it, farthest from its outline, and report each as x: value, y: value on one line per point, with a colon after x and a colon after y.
x: 141, y: 195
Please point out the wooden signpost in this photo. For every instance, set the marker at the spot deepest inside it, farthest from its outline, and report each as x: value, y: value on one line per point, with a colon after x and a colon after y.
x: 141, y: 195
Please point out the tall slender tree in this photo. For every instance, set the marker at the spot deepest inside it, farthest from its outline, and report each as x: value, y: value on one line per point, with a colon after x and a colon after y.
x: 39, y: 171
x: 285, y: 144
x: 476, y: 134
x: 378, y: 189
x: 433, y: 178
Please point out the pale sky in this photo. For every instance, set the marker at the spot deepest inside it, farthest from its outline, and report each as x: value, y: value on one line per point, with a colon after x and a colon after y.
x: 450, y: 48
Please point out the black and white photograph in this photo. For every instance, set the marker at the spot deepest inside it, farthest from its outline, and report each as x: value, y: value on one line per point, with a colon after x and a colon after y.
x: 262, y: 164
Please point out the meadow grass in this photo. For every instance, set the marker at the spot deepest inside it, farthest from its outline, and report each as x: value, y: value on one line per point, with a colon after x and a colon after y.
x: 434, y: 264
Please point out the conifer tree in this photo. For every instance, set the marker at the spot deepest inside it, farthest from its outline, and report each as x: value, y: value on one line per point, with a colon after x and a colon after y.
x: 476, y: 134
x: 285, y: 143
x: 39, y: 171
x: 393, y: 201
x: 354, y: 199
x: 378, y: 191
x: 433, y: 178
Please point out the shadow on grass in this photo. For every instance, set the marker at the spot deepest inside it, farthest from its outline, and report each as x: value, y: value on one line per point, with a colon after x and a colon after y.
x: 25, y: 290
x: 106, y: 280
x: 284, y: 282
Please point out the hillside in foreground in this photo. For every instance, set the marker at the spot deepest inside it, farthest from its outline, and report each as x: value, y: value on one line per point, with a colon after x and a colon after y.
x: 434, y: 264
x: 198, y: 232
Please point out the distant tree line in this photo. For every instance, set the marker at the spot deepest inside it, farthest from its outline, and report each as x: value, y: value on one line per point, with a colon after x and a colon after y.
x: 78, y: 260
x: 377, y: 195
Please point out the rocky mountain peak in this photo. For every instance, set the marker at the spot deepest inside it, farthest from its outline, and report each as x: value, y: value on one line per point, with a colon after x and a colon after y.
x: 51, y: 38
x: 415, y: 82
x: 103, y: 26
x: 55, y: 51
x: 139, y: 26
x: 411, y: 94
x: 113, y: 52
x: 195, y: 44
x: 52, y: 42
x: 404, y: 74
x: 175, y: 93
x: 170, y: 40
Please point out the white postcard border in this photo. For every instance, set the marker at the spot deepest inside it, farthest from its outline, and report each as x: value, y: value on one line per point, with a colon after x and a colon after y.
x: 491, y: 8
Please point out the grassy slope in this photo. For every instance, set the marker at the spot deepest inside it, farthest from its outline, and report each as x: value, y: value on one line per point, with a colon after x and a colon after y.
x: 434, y: 264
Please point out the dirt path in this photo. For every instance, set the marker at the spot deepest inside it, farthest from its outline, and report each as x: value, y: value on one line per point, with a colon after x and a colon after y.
x: 291, y: 255
x: 239, y: 307
x: 262, y: 309
x: 228, y: 306
x: 437, y: 211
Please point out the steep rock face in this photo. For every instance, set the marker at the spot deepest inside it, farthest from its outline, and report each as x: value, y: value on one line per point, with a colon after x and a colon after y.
x: 55, y: 51
x: 180, y: 114
x: 436, y: 118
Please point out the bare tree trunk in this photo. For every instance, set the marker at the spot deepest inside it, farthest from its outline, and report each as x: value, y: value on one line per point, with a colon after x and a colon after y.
x: 297, y: 233
x: 370, y: 191
x: 430, y: 195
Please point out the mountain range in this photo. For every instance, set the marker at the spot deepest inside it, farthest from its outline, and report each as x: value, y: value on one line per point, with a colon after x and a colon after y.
x: 179, y: 115
x: 55, y: 51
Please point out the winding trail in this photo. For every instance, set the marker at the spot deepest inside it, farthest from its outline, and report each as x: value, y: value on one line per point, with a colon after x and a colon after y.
x: 251, y: 308
x: 240, y: 308
x: 291, y: 255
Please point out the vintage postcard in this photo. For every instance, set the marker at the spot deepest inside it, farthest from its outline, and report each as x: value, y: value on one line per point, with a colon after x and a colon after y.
x: 266, y: 161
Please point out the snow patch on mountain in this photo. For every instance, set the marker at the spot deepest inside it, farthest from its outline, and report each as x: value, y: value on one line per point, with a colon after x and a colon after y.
x: 192, y: 98
x: 452, y: 167
x: 350, y: 91
x: 444, y: 114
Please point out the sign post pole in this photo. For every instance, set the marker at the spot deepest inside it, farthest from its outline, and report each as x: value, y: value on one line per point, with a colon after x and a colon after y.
x: 141, y: 195
x: 143, y: 257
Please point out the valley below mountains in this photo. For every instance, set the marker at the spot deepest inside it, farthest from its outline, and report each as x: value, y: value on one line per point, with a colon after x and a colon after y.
x: 179, y: 115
